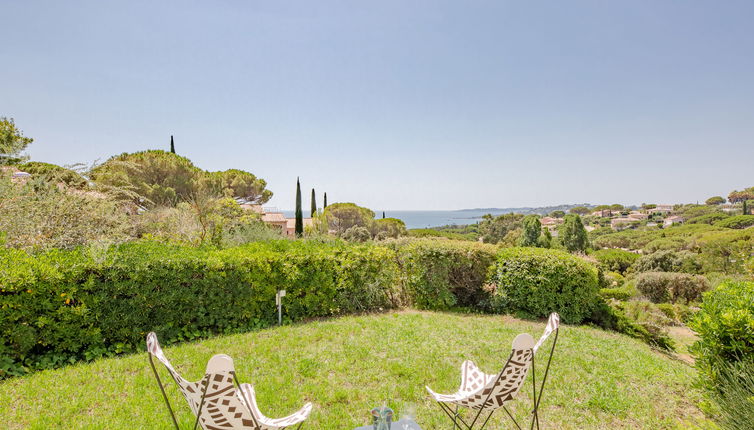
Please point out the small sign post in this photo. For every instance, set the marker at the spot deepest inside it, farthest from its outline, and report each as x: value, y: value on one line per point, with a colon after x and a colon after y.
x: 279, y: 302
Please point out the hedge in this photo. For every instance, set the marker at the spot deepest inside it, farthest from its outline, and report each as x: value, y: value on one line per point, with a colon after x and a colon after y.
x: 534, y: 282
x: 64, y: 306
x: 443, y: 274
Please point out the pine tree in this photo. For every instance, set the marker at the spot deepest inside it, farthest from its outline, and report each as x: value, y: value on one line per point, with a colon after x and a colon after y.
x: 314, y: 204
x: 324, y: 205
x: 172, y: 145
x: 299, y: 212
x: 532, y: 230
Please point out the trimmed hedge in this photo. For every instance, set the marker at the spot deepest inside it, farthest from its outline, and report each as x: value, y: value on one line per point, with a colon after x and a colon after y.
x: 64, y: 306
x: 534, y: 282
x: 443, y: 274
x: 663, y: 287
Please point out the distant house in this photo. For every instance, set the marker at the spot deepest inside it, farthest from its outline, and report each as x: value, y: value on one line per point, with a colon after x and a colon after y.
x: 638, y: 216
x: 662, y: 209
x: 276, y: 219
x: 290, y: 227
x: 252, y: 207
x: 605, y: 213
x: 673, y: 220
x: 550, y: 221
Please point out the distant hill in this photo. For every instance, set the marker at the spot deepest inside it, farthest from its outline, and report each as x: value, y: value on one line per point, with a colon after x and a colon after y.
x: 544, y: 210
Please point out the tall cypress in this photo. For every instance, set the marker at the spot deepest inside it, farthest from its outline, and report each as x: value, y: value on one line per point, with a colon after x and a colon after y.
x: 314, y: 204
x: 172, y: 145
x: 383, y: 214
x: 299, y: 212
x: 324, y: 205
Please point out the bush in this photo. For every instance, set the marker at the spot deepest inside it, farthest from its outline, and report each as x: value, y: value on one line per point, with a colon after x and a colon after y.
x: 64, y: 306
x: 708, y: 219
x: 635, y: 319
x: 733, y: 396
x: 357, y: 234
x: 725, y: 326
x: 661, y: 287
x: 668, y: 261
x: 615, y: 260
x: 738, y: 221
x: 441, y: 274
x: 534, y: 282
x: 624, y: 292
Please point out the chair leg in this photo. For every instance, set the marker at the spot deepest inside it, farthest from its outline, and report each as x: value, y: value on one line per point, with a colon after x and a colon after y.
x: 206, y: 380
x: 511, y: 417
x: 162, y: 389
x: 453, y: 416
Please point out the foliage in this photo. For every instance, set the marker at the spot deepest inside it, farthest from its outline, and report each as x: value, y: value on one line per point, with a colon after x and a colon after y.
x: 573, y: 234
x: 714, y: 200
x: 39, y: 215
x: 441, y: 274
x: 299, y: 226
x: 313, y: 201
x: 668, y: 261
x: 162, y: 178
x: 741, y: 196
x: 579, y: 210
x: 12, y: 142
x: 495, y: 229
x: 389, y: 227
x: 357, y: 234
x: 63, y: 306
x: 615, y: 260
x: 733, y: 395
x: 710, y: 218
x: 339, y: 217
x: 661, y: 287
x: 454, y: 234
x: 55, y: 174
x: 635, y: 319
x: 725, y: 326
x: 531, y: 231
x: 739, y: 221
x: 239, y: 184
x: 535, y: 282
x: 557, y: 214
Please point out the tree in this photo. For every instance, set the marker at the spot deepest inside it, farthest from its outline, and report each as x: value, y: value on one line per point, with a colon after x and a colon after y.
x: 314, y: 204
x: 573, y: 234
x: 580, y: 210
x: 172, y: 145
x: 383, y: 214
x: 339, y: 217
x: 389, y: 227
x: 324, y: 203
x: 715, y: 200
x: 617, y: 207
x: 545, y: 241
x: 12, y: 142
x: 532, y: 230
x: 557, y: 214
x: 55, y: 174
x: 299, y: 212
x: 495, y: 229
x: 239, y: 184
x: 648, y: 206
x: 742, y: 197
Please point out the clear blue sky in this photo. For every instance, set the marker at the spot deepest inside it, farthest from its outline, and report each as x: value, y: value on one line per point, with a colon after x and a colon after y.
x: 399, y: 104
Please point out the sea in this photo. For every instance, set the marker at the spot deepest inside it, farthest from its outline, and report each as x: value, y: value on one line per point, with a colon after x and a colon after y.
x: 425, y: 219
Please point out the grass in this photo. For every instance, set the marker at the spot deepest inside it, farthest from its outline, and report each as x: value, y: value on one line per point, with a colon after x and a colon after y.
x: 348, y: 365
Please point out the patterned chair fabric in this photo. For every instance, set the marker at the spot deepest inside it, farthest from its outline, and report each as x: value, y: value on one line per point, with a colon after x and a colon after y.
x: 482, y: 391
x: 224, y: 406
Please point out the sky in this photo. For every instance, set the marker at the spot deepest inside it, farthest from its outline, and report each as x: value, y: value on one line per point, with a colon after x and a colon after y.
x: 399, y: 104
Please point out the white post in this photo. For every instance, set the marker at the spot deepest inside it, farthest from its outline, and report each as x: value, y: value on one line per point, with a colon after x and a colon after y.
x: 279, y: 302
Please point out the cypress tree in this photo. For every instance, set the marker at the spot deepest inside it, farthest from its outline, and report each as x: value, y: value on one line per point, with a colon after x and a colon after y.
x: 324, y: 205
x: 745, y: 208
x: 383, y: 214
x: 299, y: 212
x: 172, y: 145
x: 314, y: 204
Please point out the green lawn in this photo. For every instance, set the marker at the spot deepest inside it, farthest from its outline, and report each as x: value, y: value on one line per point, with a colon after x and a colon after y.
x: 346, y: 366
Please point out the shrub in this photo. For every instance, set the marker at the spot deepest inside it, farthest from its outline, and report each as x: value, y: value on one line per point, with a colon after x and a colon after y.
x: 733, y: 396
x: 615, y: 260
x: 679, y: 314
x: 738, y: 221
x: 624, y: 292
x: 357, y: 234
x: 535, y: 282
x: 661, y: 287
x: 668, y: 261
x: 63, y: 306
x: 635, y: 320
x: 725, y: 326
x: 708, y: 219
x: 441, y: 274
